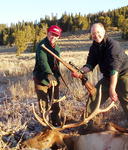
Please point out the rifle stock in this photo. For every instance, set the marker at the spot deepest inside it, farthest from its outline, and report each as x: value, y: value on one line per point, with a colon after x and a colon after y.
x: 91, y: 89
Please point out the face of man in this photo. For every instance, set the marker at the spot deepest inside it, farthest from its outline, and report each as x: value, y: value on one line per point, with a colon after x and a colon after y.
x: 52, y: 37
x: 97, y: 33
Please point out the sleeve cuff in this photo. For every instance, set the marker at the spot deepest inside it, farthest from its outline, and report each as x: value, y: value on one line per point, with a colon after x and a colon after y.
x: 112, y: 72
x: 89, y: 66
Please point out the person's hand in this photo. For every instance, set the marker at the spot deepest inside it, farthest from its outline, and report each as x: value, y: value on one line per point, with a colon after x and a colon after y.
x: 85, y: 69
x: 76, y: 75
x: 52, y: 80
x: 113, y: 95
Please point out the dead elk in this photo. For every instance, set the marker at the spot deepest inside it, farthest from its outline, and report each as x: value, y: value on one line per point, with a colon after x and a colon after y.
x: 53, y: 135
x: 107, y: 140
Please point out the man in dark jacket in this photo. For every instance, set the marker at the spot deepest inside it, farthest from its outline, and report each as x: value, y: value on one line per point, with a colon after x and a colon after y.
x: 46, y: 72
x: 113, y: 64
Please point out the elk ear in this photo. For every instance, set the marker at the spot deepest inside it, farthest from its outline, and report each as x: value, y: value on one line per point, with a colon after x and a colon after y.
x: 108, y: 126
x: 112, y: 127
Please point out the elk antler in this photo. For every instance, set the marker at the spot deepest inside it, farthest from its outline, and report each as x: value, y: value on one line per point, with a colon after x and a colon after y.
x: 94, y: 113
x: 97, y: 110
x: 45, y: 113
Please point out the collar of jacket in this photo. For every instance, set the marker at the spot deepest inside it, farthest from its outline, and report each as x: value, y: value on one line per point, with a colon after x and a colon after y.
x: 48, y: 42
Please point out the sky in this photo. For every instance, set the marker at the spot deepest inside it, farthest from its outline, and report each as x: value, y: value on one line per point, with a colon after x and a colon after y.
x: 14, y: 11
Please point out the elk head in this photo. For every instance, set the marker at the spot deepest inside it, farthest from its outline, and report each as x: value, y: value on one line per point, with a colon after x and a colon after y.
x: 53, y: 135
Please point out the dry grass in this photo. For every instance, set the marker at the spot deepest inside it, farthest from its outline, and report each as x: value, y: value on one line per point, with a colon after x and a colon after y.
x: 17, y: 90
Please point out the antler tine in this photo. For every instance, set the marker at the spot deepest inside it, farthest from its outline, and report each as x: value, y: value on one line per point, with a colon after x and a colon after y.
x: 107, y: 108
x: 55, y: 100
x: 37, y: 117
x: 45, y: 113
x: 59, y: 100
x: 63, y: 123
x: 94, y: 113
x: 98, y: 109
x: 43, y: 120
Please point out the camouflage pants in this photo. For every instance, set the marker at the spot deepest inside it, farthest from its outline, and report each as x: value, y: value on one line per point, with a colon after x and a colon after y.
x: 44, y: 94
x: 121, y: 89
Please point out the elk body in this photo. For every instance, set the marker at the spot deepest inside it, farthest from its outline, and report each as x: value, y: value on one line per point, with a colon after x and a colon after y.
x: 53, y: 135
x: 107, y: 140
x: 112, y: 139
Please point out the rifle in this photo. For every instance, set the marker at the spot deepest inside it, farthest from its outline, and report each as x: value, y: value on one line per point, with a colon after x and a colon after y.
x: 91, y: 89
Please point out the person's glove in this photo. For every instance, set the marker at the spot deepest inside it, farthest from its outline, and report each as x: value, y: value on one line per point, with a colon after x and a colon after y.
x: 76, y: 75
x: 52, y: 80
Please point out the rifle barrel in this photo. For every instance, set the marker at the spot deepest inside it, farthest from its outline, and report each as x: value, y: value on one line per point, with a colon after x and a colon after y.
x: 60, y: 59
x: 91, y: 89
